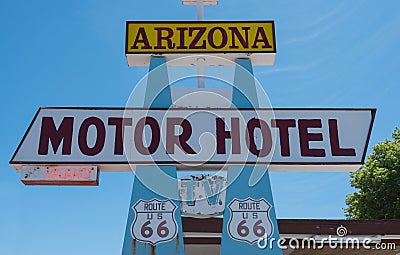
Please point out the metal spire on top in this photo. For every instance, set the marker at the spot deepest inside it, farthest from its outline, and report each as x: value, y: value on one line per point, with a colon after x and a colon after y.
x: 200, y: 17
x: 200, y: 60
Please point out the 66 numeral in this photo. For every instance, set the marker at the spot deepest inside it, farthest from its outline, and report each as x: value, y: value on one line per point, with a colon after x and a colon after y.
x: 244, y: 231
x: 147, y: 231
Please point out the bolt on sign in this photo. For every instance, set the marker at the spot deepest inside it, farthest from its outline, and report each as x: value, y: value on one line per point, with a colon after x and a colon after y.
x: 286, y: 139
x: 205, y: 37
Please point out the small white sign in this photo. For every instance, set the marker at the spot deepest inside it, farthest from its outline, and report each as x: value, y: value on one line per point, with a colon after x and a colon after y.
x: 60, y: 175
x: 154, y: 221
x: 202, y: 195
x: 250, y: 220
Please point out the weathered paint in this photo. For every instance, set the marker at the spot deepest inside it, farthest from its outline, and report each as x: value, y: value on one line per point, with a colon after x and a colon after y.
x: 202, y: 195
x: 60, y: 175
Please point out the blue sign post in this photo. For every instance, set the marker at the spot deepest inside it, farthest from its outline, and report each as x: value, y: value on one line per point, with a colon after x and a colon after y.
x: 250, y: 225
x: 154, y: 220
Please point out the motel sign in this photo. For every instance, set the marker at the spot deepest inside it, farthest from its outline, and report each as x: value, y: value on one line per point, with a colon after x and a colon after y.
x: 282, y: 138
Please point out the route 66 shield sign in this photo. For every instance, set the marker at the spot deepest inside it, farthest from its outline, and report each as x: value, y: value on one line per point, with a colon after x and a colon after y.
x: 249, y: 220
x: 154, y: 221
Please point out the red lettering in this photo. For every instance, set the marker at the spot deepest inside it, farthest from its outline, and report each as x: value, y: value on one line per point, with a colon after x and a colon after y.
x: 243, y: 41
x: 141, y: 37
x: 266, y: 137
x: 197, y: 37
x: 167, y: 38
x: 261, y: 37
x: 51, y: 173
x: 334, y: 138
x: 100, y: 136
x: 49, y: 132
x: 119, y: 124
x: 68, y: 174
x: 64, y: 173
x: 283, y: 126
x: 211, y: 37
x: 182, y: 37
x: 85, y: 173
x: 180, y: 140
x: 155, y: 135
x: 306, y: 137
x: 222, y: 135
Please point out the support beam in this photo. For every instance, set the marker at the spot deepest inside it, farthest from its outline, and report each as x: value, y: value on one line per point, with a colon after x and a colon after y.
x: 158, y: 91
x: 244, y: 93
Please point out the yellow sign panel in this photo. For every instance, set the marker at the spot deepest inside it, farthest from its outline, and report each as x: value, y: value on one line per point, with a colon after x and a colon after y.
x: 200, y: 37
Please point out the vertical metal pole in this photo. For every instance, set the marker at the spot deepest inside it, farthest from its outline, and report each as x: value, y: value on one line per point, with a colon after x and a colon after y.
x: 200, y: 61
x: 200, y: 72
x: 200, y: 10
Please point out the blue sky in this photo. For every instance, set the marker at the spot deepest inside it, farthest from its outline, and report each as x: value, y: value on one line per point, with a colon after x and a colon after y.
x: 71, y: 53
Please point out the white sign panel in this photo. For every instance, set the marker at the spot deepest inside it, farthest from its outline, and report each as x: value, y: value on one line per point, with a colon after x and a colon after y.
x: 154, y: 221
x: 286, y: 139
x: 202, y: 195
x: 249, y: 220
x: 60, y: 175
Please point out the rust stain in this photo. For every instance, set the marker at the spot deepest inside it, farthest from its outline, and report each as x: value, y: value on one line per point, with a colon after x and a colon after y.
x: 133, y: 246
x: 152, y: 250
x: 177, y: 242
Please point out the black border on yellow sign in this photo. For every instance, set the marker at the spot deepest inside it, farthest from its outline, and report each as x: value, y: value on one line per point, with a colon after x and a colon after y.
x: 198, y: 51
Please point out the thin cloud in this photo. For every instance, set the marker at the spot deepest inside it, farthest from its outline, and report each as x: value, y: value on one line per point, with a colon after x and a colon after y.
x: 338, y: 10
x: 281, y: 70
